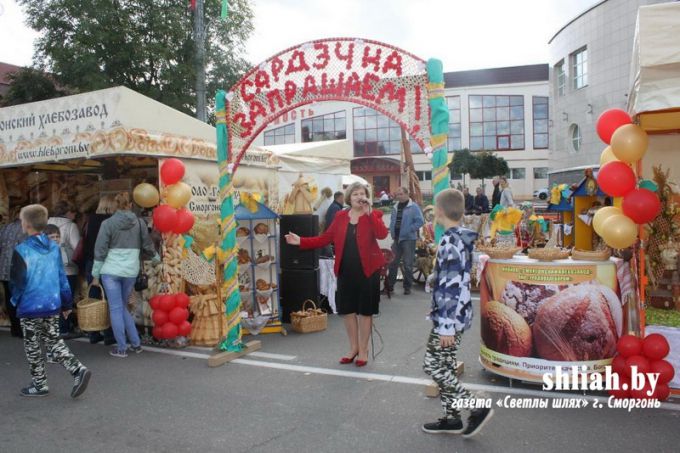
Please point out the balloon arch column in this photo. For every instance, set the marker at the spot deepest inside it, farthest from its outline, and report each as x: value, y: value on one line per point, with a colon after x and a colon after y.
x: 403, y: 87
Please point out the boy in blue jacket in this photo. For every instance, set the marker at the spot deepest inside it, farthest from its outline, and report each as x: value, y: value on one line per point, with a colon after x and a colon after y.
x: 40, y: 292
x: 451, y: 315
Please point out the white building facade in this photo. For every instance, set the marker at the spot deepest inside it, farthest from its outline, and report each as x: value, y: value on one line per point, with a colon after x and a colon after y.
x: 504, y: 110
x: 590, y: 61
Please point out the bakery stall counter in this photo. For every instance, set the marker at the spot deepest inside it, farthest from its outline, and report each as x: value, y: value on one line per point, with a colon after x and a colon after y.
x: 537, y: 315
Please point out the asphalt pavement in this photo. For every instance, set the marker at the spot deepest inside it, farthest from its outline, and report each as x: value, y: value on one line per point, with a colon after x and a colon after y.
x: 293, y: 396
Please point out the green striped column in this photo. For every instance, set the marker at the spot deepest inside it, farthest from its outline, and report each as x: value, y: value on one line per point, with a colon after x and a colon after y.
x: 228, y: 247
x: 439, y: 128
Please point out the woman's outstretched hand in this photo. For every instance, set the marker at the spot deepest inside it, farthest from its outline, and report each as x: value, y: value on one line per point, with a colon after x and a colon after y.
x: 292, y: 239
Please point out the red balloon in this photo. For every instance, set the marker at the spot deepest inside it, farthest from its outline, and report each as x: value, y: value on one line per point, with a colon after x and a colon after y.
x: 184, y: 329
x: 178, y: 315
x: 655, y: 346
x: 661, y: 392
x: 615, y: 179
x: 620, y: 392
x: 641, y: 205
x: 609, y: 121
x: 642, y: 393
x: 619, y: 365
x: 167, y: 302
x: 639, y: 361
x: 182, y: 300
x: 157, y: 332
x: 185, y: 221
x: 164, y: 218
x: 665, y: 370
x: 629, y: 345
x: 153, y: 302
x: 169, y: 330
x: 159, y: 317
x: 172, y: 171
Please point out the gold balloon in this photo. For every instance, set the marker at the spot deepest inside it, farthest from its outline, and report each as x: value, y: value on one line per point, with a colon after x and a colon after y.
x: 178, y: 194
x: 603, y: 214
x: 629, y: 143
x: 619, y: 231
x: 607, y: 156
x: 146, y: 195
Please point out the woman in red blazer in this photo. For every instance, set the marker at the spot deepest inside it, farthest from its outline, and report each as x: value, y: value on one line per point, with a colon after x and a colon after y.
x: 358, y: 259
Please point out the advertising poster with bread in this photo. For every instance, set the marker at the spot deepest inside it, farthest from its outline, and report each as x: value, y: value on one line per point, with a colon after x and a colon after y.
x: 535, y: 316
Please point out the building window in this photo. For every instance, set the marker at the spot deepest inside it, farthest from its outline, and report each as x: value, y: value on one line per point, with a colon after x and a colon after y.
x: 375, y: 134
x: 280, y: 136
x: 575, y: 137
x: 424, y: 176
x: 453, y: 103
x: 579, y: 68
x: 496, y: 122
x: 456, y: 177
x: 540, y: 108
x: 541, y: 173
x: 331, y: 126
x: 560, y: 78
x: 518, y: 173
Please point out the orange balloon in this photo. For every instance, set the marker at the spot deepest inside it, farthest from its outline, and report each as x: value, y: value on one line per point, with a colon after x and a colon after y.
x: 603, y: 214
x: 178, y: 194
x: 629, y: 143
x: 619, y: 232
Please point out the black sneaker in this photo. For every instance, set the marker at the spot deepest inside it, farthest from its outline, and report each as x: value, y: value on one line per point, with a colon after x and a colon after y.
x: 407, y: 291
x: 32, y: 390
x: 136, y: 350
x: 476, y: 421
x: 444, y: 426
x: 80, y: 382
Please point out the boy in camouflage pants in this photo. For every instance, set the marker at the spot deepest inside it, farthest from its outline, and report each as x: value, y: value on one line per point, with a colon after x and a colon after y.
x: 451, y: 314
x: 40, y: 292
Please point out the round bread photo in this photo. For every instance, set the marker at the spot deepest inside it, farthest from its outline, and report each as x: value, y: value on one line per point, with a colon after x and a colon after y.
x: 583, y: 322
x: 505, y: 331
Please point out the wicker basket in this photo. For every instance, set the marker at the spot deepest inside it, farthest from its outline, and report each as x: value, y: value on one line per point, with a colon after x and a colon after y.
x: 309, y: 320
x: 93, y: 314
x: 591, y: 255
x: 501, y: 253
x: 548, y: 254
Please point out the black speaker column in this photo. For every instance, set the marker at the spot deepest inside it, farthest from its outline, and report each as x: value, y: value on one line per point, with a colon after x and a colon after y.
x: 299, y: 268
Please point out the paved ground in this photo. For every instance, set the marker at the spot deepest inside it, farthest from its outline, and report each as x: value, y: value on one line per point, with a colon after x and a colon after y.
x: 163, y: 402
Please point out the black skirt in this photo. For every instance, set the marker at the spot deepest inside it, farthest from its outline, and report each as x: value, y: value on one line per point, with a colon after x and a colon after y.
x: 356, y: 293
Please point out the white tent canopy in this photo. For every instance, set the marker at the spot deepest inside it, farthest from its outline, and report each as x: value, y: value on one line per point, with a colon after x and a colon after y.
x: 655, y: 68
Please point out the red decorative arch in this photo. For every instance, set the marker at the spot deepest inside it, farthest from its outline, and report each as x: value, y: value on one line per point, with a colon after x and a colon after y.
x: 376, y: 75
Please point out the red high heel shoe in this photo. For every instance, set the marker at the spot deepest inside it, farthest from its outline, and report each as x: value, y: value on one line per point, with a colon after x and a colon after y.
x: 348, y: 360
x: 361, y: 363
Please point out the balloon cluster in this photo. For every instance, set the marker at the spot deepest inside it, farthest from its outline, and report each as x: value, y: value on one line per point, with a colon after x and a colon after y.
x: 173, y: 217
x: 627, y: 145
x: 170, y: 316
x: 648, y: 356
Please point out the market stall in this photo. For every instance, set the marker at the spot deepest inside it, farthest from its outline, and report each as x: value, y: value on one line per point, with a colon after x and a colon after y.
x: 654, y: 103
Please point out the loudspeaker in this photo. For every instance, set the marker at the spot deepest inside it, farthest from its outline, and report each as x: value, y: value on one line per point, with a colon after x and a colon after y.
x: 291, y: 255
x: 298, y: 285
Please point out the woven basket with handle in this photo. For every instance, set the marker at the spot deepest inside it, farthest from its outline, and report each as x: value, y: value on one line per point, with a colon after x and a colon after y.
x: 310, y: 319
x: 93, y: 314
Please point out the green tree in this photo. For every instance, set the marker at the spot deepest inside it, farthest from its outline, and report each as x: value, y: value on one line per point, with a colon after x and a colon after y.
x: 463, y: 163
x: 145, y: 45
x: 30, y: 85
x: 488, y: 165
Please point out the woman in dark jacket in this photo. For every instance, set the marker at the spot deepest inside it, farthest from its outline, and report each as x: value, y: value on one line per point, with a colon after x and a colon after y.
x: 358, y: 260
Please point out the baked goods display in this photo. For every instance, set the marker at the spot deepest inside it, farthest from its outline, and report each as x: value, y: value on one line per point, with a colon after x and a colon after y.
x: 525, y: 298
x: 262, y: 285
x: 243, y: 256
x: 263, y: 259
x: 583, y: 322
x: 505, y: 331
x: 261, y: 228
x: 242, y: 232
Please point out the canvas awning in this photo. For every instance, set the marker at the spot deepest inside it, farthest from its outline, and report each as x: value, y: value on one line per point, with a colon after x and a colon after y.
x: 655, y: 69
